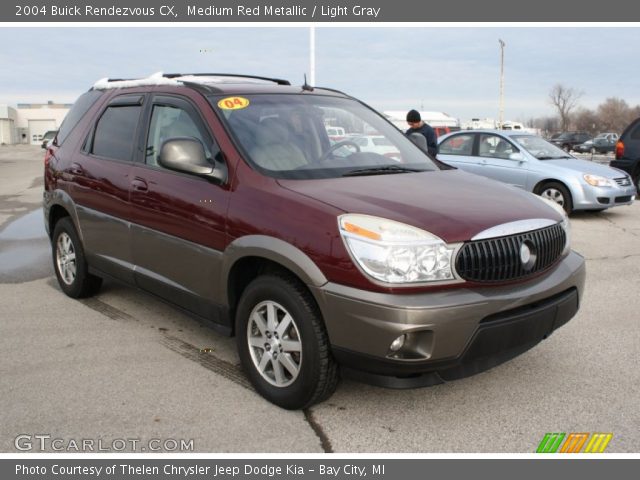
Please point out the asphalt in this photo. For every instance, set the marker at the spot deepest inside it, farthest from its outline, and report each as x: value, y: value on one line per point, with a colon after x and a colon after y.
x: 123, y: 365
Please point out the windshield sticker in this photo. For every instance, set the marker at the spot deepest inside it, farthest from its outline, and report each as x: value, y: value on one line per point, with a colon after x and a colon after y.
x: 233, y: 103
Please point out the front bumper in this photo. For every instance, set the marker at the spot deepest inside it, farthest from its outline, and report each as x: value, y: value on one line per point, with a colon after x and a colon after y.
x: 450, y: 334
x: 604, y: 197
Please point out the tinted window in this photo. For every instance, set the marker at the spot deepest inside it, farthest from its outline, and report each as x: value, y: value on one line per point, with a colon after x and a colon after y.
x: 457, y: 145
x: 635, y: 133
x: 170, y: 122
x: 79, y: 109
x: 116, y: 132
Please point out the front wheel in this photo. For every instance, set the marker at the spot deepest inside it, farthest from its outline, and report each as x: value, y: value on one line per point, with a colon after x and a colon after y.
x: 69, y: 262
x: 283, y: 344
x: 558, y: 193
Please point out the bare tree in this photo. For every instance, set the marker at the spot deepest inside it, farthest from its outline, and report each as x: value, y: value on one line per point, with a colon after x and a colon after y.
x: 587, y: 120
x: 564, y: 99
x: 615, y: 114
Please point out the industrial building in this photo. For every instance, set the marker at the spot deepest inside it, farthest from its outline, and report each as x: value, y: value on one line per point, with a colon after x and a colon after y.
x: 28, y: 122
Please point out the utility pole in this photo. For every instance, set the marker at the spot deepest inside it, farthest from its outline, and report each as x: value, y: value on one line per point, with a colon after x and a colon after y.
x: 312, y: 55
x: 501, y: 116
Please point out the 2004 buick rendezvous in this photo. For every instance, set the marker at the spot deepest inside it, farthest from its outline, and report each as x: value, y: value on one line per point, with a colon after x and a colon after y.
x: 224, y: 195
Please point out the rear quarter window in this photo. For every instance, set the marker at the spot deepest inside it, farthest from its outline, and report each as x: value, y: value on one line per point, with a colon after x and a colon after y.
x: 78, y: 110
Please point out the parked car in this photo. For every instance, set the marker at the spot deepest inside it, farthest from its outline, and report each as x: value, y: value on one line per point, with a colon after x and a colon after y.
x: 193, y: 188
x: 336, y: 134
x: 568, y: 140
x: 48, y: 137
x: 376, y: 144
x: 535, y: 165
x: 628, y: 152
x: 596, y: 145
x: 609, y: 136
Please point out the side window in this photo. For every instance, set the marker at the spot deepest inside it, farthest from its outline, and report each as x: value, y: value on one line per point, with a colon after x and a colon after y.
x: 116, y: 132
x: 170, y: 122
x: 495, y: 147
x: 635, y: 133
x: 457, y: 145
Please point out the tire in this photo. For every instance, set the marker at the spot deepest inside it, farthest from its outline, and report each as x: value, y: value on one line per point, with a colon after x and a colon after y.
x: 69, y: 262
x: 558, y: 193
x: 566, y: 148
x: 636, y: 181
x: 288, y: 360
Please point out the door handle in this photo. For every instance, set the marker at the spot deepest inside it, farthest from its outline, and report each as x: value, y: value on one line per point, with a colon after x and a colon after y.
x: 139, y: 185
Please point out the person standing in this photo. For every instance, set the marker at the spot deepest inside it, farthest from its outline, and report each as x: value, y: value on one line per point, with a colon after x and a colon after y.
x: 416, y: 125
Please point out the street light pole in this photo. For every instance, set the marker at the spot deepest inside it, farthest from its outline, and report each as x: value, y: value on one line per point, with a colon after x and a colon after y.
x: 501, y: 116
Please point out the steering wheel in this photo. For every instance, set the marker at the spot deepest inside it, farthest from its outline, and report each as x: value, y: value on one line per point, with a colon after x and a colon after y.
x: 336, y: 146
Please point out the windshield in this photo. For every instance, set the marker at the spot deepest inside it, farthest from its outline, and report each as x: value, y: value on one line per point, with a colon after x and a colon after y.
x: 287, y: 136
x: 540, y: 148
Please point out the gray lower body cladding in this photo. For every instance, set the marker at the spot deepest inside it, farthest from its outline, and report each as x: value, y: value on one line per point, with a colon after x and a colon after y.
x: 454, y: 333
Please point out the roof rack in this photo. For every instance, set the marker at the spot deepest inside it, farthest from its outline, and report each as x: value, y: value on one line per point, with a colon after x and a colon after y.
x: 190, y: 79
x: 279, y: 81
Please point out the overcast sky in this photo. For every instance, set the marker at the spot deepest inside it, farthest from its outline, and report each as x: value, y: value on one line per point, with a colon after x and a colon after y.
x: 455, y: 70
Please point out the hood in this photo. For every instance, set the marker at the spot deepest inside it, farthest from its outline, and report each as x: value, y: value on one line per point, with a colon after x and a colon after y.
x: 451, y: 204
x: 585, y: 166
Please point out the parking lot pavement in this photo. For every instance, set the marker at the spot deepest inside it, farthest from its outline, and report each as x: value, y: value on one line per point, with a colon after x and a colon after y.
x: 123, y: 365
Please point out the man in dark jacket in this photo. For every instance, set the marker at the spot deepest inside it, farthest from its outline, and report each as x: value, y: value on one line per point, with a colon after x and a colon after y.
x: 416, y: 125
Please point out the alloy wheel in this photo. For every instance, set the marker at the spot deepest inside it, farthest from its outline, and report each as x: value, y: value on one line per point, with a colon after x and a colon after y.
x: 274, y: 343
x: 66, y: 258
x: 554, y: 195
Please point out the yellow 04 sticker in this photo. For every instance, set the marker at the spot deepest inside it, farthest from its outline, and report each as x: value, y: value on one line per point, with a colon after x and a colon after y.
x: 233, y: 103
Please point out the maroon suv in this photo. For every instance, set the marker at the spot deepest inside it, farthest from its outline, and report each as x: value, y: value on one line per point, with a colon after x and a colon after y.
x: 223, y: 195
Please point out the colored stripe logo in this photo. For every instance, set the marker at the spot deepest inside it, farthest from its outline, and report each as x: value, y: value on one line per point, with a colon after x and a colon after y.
x: 574, y: 442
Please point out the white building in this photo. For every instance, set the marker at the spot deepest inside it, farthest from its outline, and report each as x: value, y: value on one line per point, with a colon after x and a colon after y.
x: 435, y: 119
x: 8, y: 121
x: 30, y: 121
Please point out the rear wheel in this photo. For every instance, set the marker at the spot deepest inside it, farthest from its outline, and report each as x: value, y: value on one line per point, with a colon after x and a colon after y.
x: 283, y: 344
x: 558, y: 193
x: 69, y: 262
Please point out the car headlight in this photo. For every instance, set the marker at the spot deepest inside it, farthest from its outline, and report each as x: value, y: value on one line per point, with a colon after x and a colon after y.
x: 394, y: 252
x: 597, y: 180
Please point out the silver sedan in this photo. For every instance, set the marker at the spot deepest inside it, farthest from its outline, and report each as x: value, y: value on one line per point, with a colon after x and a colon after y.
x: 530, y: 162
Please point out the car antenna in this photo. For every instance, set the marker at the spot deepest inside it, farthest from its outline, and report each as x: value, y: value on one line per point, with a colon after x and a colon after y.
x: 306, y: 86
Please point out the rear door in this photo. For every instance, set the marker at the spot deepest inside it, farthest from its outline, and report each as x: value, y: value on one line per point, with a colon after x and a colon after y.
x: 179, y: 220
x: 458, y: 151
x: 101, y: 176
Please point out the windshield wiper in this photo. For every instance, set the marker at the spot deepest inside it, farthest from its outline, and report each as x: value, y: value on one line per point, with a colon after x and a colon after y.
x: 379, y: 170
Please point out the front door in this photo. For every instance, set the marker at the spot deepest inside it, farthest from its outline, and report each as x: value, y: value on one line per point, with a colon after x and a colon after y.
x: 179, y: 220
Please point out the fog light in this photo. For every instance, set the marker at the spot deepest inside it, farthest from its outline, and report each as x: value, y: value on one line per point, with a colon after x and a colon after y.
x: 397, y: 343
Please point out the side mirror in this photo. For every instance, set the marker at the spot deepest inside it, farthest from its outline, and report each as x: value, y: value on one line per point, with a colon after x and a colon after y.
x: 517, y: 157
x: 419, y: 140
x: 186, y: 154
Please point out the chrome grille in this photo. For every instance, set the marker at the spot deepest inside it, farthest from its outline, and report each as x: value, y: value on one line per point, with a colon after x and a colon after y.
x: 623, y: 181
x: 499, y: 259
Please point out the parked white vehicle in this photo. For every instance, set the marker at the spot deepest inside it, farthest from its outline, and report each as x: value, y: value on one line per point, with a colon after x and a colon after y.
x: 335, y: 133
x: 375, y: 143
